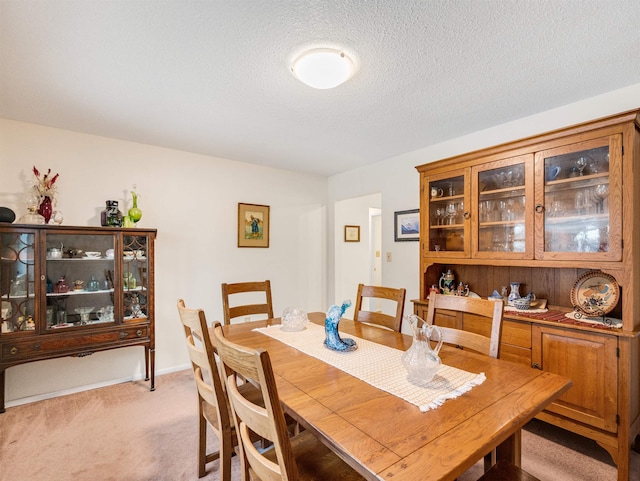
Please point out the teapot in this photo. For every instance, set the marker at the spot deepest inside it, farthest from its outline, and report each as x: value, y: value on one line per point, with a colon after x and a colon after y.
x: 421, y: 360
x: 447, y: 283
x: 61, y: 286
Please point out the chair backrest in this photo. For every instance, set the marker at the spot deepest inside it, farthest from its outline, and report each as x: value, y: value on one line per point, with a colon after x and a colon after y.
x: 491, y: 309
x: 206, y: 370
x: 231, y: 312
x: 266, y: 421
x: 393, y: 322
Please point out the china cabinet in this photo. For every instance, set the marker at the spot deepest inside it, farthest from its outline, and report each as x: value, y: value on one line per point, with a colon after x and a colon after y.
x: 543, y: 212
x: 72, y: 291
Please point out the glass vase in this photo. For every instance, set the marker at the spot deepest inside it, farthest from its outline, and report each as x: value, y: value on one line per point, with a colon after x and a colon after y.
x: 46, y: 208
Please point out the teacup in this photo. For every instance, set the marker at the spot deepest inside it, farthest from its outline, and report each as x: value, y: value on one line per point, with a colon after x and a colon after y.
x: 552, y: 172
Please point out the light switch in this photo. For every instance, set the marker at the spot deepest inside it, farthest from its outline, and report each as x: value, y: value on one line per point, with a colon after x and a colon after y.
x: 388, y: 256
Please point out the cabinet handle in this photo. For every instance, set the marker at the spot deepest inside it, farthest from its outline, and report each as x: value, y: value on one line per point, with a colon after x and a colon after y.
x: 139, y: 332
x: 14, y: 351
x: 539, y: 208
x: 535, y: 365
x: 467, y: 215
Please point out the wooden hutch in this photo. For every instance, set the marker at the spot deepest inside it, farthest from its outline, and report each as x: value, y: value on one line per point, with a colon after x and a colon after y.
x: 545, y: 212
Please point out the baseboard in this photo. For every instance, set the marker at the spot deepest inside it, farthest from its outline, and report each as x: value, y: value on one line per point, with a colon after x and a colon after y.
x: 88, y: 387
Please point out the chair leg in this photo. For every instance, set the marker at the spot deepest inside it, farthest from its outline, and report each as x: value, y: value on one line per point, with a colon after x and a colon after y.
x: 202, y: 444
x: 226, y: 451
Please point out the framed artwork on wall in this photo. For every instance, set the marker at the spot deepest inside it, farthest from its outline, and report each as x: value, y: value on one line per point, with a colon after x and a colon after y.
x: 352, y: 233
x: 407, y: 225
x: 253, y: 225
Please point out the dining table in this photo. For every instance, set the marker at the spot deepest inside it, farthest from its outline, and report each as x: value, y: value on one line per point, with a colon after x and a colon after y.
x: 385, y: 437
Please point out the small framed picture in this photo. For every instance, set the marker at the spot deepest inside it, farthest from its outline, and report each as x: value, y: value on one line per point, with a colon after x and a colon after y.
x: 352, y: 233
x: 253, y: 225
x: 407, y: 225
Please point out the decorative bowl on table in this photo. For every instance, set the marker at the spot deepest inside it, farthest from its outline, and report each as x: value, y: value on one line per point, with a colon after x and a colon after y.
x: 294, y: 319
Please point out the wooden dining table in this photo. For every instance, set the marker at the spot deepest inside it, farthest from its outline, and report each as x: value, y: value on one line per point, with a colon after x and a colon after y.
x: 385, y: 437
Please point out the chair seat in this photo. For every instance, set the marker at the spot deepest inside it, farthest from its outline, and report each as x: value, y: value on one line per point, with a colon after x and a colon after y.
x: 315, y: 461
x: 505, y: 471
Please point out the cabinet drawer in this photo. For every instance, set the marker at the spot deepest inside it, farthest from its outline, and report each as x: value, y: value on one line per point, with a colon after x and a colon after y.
x: 515, y: 354
x: 71, y: 342
x: 516, y: 333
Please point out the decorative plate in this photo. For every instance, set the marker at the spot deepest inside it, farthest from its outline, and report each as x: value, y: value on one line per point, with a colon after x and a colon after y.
x: 595, y: 293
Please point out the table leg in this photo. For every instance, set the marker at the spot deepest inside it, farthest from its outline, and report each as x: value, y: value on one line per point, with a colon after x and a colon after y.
x: 511, y: 449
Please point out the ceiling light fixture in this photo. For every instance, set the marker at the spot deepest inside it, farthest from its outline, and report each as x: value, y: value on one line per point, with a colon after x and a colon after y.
x: 323, y: 68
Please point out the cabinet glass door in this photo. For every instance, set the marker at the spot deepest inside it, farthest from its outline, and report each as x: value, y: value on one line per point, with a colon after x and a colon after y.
x: 17, y: 282
x: 504, y: 219
x: 79, y: 280
x: 447, y: 215
x: 135, y: 275
x: 581, y: 190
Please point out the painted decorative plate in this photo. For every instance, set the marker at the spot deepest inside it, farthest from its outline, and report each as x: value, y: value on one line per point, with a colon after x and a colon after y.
x: 595, y: 293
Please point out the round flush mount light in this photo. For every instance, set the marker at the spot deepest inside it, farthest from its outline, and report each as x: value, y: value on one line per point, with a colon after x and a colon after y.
x: 323, y: 68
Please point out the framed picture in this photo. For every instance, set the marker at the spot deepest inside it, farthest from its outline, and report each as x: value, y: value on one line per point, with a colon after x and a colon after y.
x: 253, y: 225
x: 407, y: 225
x: 352, y: 233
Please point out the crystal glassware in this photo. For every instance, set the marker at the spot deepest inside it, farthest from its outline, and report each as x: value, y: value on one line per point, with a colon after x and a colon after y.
x: 600, y: 193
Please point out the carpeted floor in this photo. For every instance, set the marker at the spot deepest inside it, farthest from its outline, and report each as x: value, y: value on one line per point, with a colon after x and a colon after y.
x: 127, y: 433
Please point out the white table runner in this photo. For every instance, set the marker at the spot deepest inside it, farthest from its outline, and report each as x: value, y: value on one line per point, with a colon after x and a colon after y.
x: 380, y: 366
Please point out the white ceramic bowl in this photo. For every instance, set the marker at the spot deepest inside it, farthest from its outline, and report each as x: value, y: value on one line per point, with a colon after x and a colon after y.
x: 93, y: 254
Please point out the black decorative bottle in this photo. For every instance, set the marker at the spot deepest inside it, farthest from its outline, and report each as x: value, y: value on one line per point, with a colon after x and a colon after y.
x: 111, y: 216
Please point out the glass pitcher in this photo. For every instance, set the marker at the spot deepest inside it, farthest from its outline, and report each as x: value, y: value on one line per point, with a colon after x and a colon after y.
x: 421, y: 360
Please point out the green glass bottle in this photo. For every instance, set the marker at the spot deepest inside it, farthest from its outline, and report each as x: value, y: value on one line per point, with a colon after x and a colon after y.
x: 135, y: 214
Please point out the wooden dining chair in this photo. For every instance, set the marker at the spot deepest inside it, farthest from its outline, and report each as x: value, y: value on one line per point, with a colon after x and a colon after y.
x: 213, y: 408
x: 382, y: 295
x: 466, y: 339
x: 492, y: 310
x: 246, y: 291
x: 298, y: 458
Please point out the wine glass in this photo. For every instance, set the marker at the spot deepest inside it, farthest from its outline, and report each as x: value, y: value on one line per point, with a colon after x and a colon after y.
x: 451, y: 212
x: 581, y: 163
x: 600, y: 192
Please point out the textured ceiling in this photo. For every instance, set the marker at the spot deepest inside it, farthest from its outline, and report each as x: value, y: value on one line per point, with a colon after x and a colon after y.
x: 213, y: 77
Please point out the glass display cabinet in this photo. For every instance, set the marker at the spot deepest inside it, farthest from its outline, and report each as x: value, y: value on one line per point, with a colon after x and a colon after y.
x: 581, y: 188
x: 503, y: 219
x: 72, y: 291
x: 447, y: 216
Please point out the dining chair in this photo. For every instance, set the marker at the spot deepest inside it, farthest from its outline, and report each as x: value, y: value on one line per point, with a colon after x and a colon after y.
x: 492, y: 310
x: 213, y: 408
x: 298, y: 458
x: 378, y: 294
x: 246, y: 291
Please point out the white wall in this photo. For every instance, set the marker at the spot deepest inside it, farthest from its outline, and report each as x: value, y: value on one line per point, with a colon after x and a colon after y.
x: 352, y: 259
x: 192, y: 201
x: 398, y: 181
